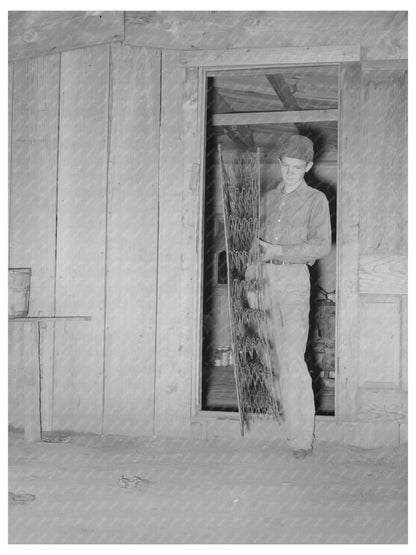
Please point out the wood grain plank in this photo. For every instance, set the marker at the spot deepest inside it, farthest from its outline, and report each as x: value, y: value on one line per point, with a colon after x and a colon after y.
x: 37, y: 33
x: 348, y: 242
x: 15, y: 404
x: 132, y: 239
x: 382, y: 404
x: 383, y: 222
x: 250, y: 118
x: 386, y: 65
x: 32, y: 217
x: 383, y: 242
x: 16, y: 376
x: 380, y: 327
x: 32, y: 407
x: 46, y: 361
x: 382, y: 35
x: 404, y: 347
x: 383, y: 274
x: 10, y: 76
x: 173, y: 376
x: 193, y: 132
x: 81, y: 238
x: 268, y: 56
x: 33, y: 176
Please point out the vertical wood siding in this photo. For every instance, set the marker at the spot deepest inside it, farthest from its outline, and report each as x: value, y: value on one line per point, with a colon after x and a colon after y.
x: 82, y: 185
x: 32, y: 218
x: 383, y: 227
x: 193, y: 129
x: 383, y: 243
x: 173, y: 379
x: 380, y: 341
x: 33, y: 176
x: 349, y: 174
x: 132, y: 241
x: 84, y: 157
x: 109, y: 223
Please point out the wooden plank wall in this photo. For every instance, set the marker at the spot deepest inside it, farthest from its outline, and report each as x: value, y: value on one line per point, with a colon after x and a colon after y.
x: 85, y: 207
x: 37, y: 33
x: 132, y: 247
x: 382, y: 35
x: 348, y: 233
x: 33, y: 173
x: 383, y: 244
x: 193, y: 132
x: 384, y: 171
x: 10, y: 76
x: 173, y: 378
x: 179, y: 247
x: 81, y: 238
x: 83, y: 215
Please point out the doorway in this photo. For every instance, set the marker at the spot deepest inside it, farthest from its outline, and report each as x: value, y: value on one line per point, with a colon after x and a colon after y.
x: 258, y: 109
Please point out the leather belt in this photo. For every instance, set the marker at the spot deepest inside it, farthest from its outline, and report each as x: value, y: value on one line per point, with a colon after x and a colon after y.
x: 281, y: 262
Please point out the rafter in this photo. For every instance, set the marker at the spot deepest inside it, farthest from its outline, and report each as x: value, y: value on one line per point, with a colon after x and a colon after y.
x: 242, y: 135
x: 283, y: 91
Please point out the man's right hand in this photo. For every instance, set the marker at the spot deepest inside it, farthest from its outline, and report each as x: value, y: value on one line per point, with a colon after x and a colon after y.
x: 250, y: 272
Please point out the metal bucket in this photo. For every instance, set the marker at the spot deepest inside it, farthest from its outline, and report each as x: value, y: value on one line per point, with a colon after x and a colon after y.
x: 19, y: 292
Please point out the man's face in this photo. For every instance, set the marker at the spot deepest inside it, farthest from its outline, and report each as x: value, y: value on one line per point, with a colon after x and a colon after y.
x: 293, y: 170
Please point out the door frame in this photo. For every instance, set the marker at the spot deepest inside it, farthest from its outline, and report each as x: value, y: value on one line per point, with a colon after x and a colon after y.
x: 348, y: 57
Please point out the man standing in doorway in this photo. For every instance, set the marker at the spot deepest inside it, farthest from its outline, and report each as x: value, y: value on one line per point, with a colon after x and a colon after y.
x: 295, y: 231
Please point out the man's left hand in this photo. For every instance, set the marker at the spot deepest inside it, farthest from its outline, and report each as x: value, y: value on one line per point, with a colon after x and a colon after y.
x: 269, y: 251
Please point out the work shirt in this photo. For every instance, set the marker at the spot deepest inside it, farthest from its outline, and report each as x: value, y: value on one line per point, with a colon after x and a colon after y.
x: 299, y: 221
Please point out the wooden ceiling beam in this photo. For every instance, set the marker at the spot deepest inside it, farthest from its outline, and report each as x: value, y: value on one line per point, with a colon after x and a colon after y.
x: 301, y: 118
x: 271, y: 102
x: 242, y: 135
x: 283, y: 91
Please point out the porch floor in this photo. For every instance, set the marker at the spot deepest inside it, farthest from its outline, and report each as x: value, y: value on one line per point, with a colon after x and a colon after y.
x: 193, y: 491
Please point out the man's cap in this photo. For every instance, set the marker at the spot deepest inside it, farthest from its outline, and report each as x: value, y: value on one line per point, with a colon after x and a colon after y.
x: 297, y: 146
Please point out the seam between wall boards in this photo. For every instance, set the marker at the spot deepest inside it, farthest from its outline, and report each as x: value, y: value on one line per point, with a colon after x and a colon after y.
x: 58, y: 139
x: 337, y: 242
x: 11, y: 122
x: 157, y: 244
x: 109, y: 115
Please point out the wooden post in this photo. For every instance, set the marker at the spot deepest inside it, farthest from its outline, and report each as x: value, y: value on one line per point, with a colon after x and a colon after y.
x: 348, y: 242
x: 173, y: 376
x: 193, y: 132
